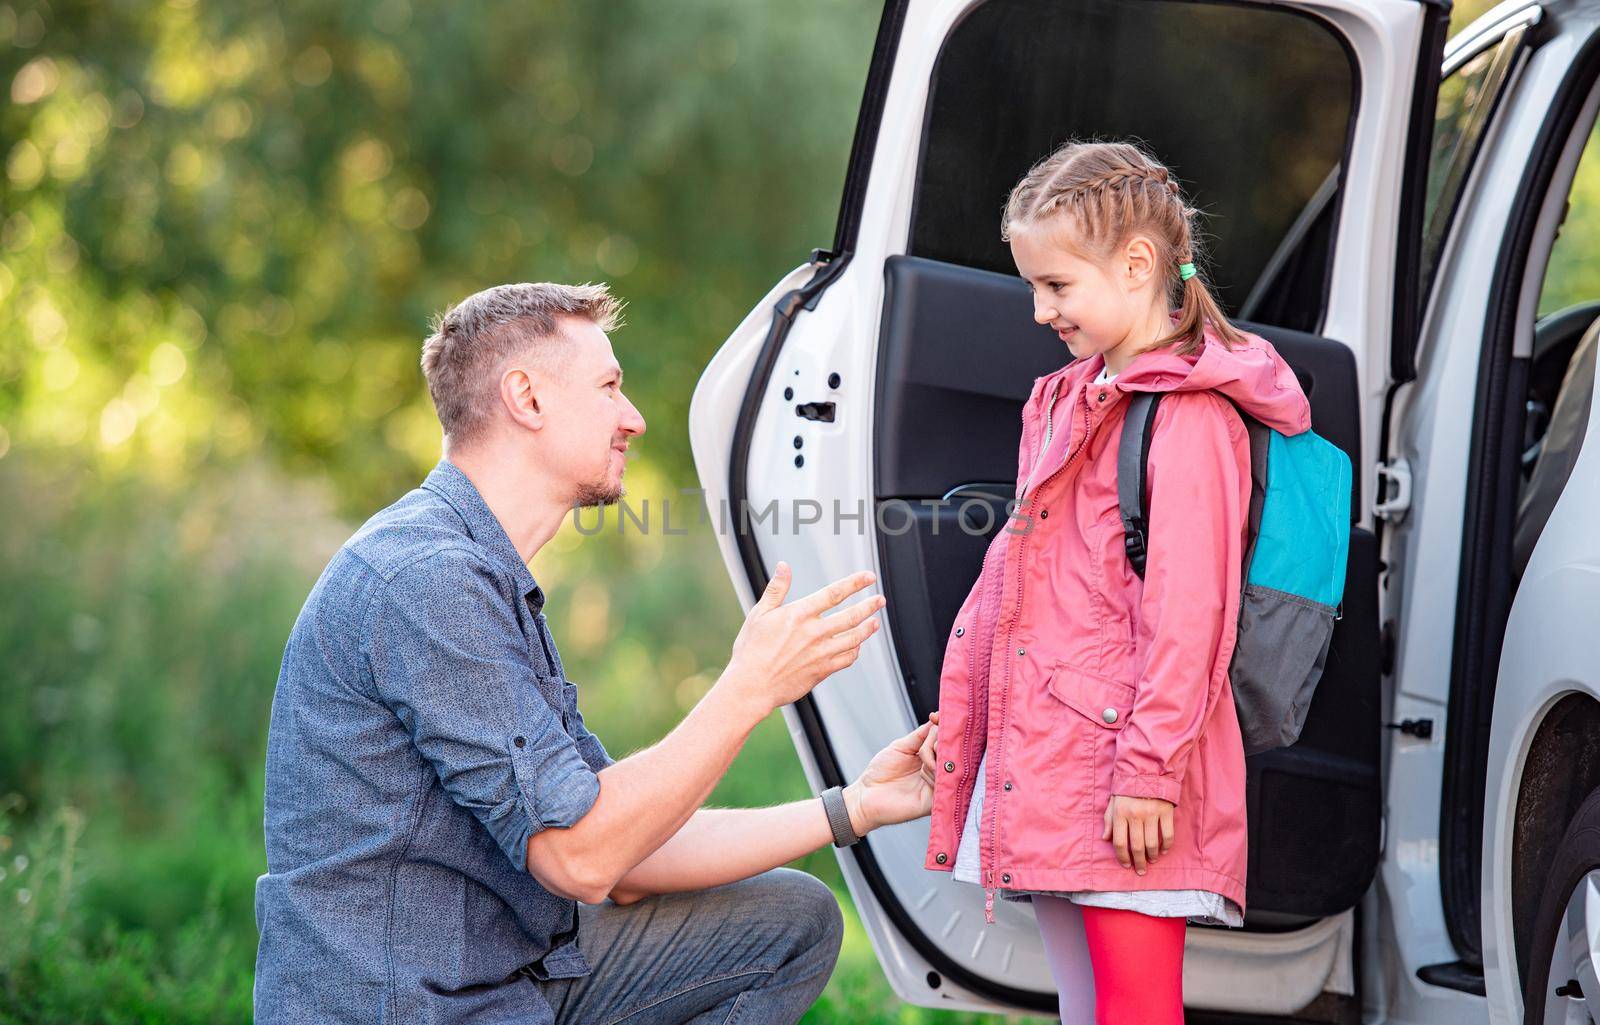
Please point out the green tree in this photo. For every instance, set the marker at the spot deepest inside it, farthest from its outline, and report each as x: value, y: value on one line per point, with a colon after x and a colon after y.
x: 227, y: 226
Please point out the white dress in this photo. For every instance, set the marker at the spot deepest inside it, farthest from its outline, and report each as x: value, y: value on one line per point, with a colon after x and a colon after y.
x: 1200, y: 906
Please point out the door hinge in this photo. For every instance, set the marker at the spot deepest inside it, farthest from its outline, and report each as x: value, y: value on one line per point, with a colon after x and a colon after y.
x: 1393, y: 502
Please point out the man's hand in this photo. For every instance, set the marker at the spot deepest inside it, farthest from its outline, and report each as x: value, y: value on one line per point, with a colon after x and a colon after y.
x: 894, y: 787
x: 1140, y: 828
x: 646, y: 799
x: 783, y: 651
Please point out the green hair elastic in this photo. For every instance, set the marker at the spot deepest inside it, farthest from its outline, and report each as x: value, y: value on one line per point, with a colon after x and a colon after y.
x: 1185, y: 271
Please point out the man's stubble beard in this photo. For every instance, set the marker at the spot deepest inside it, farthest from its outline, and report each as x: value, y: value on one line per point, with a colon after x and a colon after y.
x: 601, y: 493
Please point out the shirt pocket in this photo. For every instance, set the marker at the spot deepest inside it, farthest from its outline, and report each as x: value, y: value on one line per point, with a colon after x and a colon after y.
x: 1099, y: 707
x: 551, y: 690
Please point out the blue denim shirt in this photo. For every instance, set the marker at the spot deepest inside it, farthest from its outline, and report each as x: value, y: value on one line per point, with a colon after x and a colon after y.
x: 422, y: 729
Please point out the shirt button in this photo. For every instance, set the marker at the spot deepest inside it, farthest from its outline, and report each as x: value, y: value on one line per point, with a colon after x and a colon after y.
x: 941, y: 859
x: 949, y: 766
x: 1005, y: 877
x: 1021, y: 652
x: 960, y: 630
x: 1008, y: 784
x: 1044, y: 514
x: 1102, y: 396
x: 1109, y: 715
x: 519, y: 741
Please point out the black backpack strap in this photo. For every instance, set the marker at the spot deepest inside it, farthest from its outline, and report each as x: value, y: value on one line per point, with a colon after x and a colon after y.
x: 1260, y: 439
x: 1132, y: 458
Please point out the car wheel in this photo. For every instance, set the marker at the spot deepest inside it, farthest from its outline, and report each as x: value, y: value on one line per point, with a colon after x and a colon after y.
x: 1562, y: 987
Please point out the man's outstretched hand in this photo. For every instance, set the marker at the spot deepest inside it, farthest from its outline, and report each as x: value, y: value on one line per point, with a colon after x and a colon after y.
x: 895, y: 786
x: 784, y: 650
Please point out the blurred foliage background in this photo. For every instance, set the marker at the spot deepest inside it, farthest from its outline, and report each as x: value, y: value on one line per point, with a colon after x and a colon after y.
x: 223, y: 230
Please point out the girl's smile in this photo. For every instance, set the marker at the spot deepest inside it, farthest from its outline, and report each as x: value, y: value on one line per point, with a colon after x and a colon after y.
x: 1117, y: 309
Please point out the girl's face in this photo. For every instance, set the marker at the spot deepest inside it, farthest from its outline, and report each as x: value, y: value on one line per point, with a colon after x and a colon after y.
x: 1093, y: 308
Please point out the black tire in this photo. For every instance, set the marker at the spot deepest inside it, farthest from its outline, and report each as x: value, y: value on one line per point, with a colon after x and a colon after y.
x: 1576, y: 856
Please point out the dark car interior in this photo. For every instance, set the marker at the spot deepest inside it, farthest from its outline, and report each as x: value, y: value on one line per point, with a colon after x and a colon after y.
x: 1560, y: 388
x: 959, y: 352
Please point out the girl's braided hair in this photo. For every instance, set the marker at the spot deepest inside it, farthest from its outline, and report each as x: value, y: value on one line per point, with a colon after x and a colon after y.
x: 1104, y: 193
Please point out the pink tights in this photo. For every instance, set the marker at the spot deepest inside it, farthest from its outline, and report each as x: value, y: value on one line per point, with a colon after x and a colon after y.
x: 1112, y: 966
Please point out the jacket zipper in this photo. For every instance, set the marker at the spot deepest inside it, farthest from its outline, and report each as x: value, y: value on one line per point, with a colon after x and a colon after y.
x: 988, y: 889
x: 1049, y: 427
x: 958, y: 813
x: 1044, y: 447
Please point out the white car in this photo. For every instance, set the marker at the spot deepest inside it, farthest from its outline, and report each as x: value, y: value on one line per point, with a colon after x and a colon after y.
x: 1385, y: 209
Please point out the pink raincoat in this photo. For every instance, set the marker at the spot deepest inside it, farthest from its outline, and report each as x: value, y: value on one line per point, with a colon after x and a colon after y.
x: 1083, y: 681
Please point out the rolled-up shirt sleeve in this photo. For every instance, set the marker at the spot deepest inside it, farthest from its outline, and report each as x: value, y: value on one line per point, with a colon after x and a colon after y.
x: 451, y: 662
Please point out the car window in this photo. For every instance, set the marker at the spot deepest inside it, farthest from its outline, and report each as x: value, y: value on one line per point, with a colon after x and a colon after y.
x: 1573, y: 275
x: 1467, y: 97
x: 1251, y: 107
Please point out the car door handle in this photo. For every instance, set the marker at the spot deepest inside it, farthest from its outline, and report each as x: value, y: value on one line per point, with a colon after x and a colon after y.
x: 822, y: 411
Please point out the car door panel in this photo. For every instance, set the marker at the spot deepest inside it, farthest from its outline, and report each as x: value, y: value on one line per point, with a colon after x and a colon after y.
x: 936, y: 357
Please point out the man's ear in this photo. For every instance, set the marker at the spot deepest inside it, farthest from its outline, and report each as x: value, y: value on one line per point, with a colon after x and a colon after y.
x: 519, y: 393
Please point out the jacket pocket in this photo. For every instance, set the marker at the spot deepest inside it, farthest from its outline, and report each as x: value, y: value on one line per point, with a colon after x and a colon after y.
x: 1103, y: 701
x: 1278, y: 659
x: 1099, y: 706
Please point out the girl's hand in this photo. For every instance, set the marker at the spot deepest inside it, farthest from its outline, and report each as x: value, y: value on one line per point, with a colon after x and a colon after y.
x: 1140, y: 828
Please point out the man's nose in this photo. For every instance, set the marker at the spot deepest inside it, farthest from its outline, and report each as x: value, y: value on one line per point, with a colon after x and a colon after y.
x: 632, y: 420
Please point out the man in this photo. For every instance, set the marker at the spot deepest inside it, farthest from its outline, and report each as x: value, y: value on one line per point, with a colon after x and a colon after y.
x: 435, y: 807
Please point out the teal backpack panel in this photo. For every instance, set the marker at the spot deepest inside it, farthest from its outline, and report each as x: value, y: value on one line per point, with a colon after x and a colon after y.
x: 1298, y: 545
x: 1304, y: 539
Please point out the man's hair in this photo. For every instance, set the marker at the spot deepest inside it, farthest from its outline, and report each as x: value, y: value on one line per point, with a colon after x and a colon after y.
x: 473, y: 339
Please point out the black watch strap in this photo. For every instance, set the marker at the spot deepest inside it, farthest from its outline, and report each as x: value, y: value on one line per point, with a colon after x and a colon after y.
x: 844, y: 834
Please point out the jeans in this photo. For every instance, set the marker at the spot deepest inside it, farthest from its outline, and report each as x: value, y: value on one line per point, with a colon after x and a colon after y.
x: 759, y: 950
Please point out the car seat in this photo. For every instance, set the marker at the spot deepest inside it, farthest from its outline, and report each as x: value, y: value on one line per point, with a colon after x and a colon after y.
x: 1569, y: 419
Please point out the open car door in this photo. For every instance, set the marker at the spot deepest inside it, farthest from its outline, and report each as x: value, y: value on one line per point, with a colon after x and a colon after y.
x: 866, y: 413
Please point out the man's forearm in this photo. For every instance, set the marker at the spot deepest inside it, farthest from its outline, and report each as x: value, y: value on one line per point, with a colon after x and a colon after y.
x: 646, y: 798
x: 722, y: 845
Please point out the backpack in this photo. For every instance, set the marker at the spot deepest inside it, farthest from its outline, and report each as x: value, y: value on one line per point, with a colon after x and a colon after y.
x: 1295, y: 554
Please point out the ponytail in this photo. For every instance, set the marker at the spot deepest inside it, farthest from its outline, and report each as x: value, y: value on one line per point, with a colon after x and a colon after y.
x: 1196, y: 308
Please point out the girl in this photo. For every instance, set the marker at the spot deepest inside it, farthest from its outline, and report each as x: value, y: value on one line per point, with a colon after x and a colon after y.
x: 1088, y: 754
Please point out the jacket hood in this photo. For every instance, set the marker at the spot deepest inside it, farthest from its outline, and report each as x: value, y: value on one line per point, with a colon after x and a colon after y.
x: 1252, y: 374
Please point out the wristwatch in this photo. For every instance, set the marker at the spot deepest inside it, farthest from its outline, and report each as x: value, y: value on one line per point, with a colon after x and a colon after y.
x: 844, y: 834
